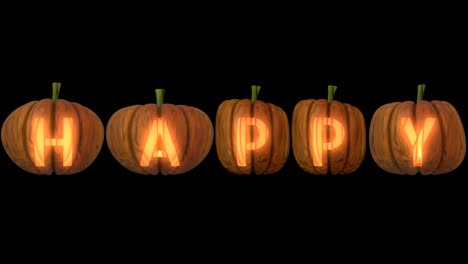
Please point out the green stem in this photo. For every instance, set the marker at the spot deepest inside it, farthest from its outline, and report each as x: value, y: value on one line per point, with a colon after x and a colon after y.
x: 255, y: 91
x: 331, y: 92
x: 55, y: 91
x: 421, y: 89
x: 159, y: 97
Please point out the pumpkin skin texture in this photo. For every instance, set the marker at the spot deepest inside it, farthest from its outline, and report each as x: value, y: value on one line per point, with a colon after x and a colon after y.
x: 267, y: 159
x: 190, y: 128
x: 444, y: 146
x: 343, y: 159
x: 19, y: 137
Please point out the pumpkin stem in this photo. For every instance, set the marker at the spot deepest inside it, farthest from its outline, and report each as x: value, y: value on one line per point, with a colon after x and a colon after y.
x: 421, y: 89
x: 331, y: 92
x: 55, y: 91
x: 159, y: 97
x: 255, y: 91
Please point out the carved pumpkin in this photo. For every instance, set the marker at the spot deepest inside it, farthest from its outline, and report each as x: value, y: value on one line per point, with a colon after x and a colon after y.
x: 52, y: 135
x: 328, y: 137
x: 426, y: 137
x: 252, y: 137
x: 159, y: 138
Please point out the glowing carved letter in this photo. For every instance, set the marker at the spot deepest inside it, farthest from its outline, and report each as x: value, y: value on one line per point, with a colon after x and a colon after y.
x: 41, y: 142
x: 240, y: 138
x: 160, y: 131
x: 316, y: 144
x: 417, y: 141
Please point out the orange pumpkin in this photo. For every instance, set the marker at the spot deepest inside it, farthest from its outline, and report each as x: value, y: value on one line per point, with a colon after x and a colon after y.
x: 52, y: 135
x: 252, y: 137
x: 159, y: 138
x: 328, y: 137
x: 425, y: 137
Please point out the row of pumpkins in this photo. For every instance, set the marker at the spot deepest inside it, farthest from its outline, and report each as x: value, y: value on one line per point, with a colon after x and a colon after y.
x: 252, y: 137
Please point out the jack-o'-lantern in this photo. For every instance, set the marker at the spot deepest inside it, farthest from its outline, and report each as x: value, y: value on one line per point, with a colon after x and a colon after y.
x: 252, y: 136
x: 410, y: 137
x: 52, y: 136
x: 328, y: 137
x: 159, y: 138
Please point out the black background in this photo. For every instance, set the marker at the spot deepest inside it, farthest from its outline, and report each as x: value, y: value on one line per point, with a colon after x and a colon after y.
x: 115, y: 56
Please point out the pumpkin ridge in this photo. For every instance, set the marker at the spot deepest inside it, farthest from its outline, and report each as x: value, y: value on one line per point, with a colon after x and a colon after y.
x: 252, y: 135
x: 129, y: 136
x: 158, y: 116
x: 231, y: 122
x: 362, y: 124
x: 182, y: 159
x: 52, y: 129
x: 389, y: 131
x: 328, y: 139
x: 272, y: 151
x: 348, y: 142
x: 415, y: 117
x: 80, y: 129
x: 307, y: 139
x: 25, y: 136
x: 414, y: 120
x: 442, y: 135
x: 461, y: 129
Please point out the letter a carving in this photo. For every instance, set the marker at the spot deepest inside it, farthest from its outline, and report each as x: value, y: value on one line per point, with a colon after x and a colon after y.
x: 159, y: 131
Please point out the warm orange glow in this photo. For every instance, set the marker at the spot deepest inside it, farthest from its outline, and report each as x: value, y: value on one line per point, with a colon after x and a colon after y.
x: 316, y: 144
x: 159, y: 131
x: 241, y: 131
x: 417, y: 141
x: 41, y: 142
